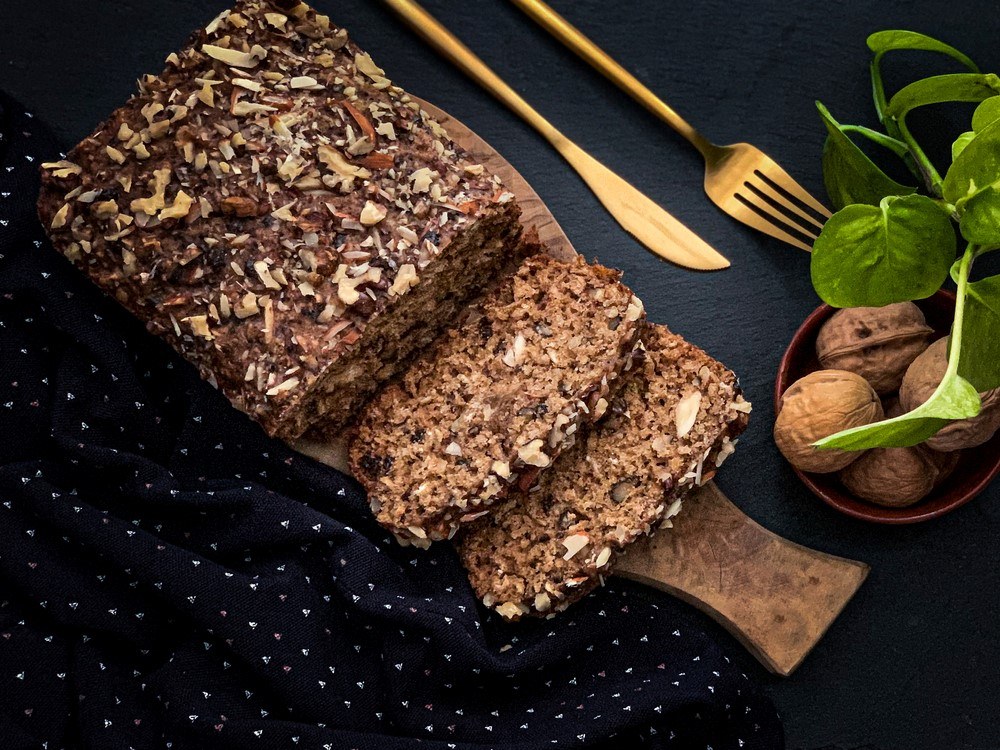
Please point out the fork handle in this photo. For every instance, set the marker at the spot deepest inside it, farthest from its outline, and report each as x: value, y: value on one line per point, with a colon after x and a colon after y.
x: 573, y: 38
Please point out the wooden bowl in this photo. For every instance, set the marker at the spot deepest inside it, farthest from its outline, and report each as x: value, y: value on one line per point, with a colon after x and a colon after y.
x: 976, y: 468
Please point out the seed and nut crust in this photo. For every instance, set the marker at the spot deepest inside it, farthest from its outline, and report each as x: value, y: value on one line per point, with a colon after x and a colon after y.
x: 548, y: 547
x: 498, y: 399
x: 264, y: 199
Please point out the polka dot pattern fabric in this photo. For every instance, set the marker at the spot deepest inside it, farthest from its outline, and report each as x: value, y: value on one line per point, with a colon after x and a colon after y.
x: 172, y: 578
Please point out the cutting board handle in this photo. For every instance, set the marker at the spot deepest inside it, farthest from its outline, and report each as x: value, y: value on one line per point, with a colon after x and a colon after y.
x: 776, y: 597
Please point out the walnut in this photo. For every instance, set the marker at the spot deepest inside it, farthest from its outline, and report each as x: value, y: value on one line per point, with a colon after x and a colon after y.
x: 877, y: 343
x: 817, y: 406
x: 895, y: 477
x: 920, y: 381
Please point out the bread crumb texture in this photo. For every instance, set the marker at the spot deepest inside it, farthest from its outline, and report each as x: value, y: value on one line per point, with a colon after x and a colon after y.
x: 498, y: 399
x: 667, y: 431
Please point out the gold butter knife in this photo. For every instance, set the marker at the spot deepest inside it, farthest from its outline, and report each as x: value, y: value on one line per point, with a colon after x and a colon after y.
x: 637, y: 214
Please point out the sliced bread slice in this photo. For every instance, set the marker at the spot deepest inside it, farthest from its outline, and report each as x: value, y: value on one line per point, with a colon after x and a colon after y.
x: 668, y: 429
x: 497, y: 399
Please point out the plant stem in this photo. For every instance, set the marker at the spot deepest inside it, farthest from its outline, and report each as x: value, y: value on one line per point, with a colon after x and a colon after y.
x: 889, y: 123
x: 896, y: 146
x: 955, y: 343
x: 927, y: 170
x: 878, y: 90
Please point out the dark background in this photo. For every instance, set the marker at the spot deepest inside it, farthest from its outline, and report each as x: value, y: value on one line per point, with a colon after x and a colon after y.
x: 913, y: 662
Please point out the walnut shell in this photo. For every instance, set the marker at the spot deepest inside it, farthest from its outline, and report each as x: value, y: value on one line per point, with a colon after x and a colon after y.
x: 920, y: 381
x: 895, y: 477
x: 946, y: 462
x: 817, y: 406
x: 877, y: 343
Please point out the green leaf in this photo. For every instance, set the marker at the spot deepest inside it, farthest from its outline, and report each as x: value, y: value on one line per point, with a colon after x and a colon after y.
x: 986, y: 113
x: 976, y: 168
x: 954, y: 87
x: 960, y: 143
x: 886, y: 41
x: 870, y: 256
x: 980, y: 223
x: 850, y: 176
x: 955, y: 398
x: 979, y: 362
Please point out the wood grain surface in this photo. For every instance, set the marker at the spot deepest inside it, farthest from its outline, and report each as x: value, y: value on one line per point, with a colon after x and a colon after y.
x: 776, y: 597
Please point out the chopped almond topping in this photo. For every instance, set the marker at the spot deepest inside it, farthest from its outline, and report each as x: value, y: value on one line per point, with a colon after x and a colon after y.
x: 233, y: 57
x: 264, y: 274
x: 687, y: 413
x: 63, y: 168
x: 277, y: 20
x: 406, y: 279
x: 346, y: 292
x: 106, y: 210
x: 180, y: 208
x: 372, y: 214
x: 247, y: 306
x: 199, y: 326
x: 573, y: 544
x: 284, y: 213
x: 150, y: 206
x: 206, y: 96
x: 115, y: 155
x: 59, y: 220
x: 422, y: 179
x: 366, y: 65
x: 247, y: 84
x: 304, y: 82
x: 285, y: 386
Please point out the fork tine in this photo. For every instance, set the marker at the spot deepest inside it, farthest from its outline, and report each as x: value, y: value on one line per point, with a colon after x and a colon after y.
x: 766, y: 191
x: 773, y: 172
x: 767, y: 209
x: 768, y: 223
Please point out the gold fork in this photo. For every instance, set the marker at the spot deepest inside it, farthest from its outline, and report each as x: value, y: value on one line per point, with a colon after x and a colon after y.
x: 740, y: 179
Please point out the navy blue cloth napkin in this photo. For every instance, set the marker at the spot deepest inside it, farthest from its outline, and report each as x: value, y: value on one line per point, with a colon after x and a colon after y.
x: 172, y: 578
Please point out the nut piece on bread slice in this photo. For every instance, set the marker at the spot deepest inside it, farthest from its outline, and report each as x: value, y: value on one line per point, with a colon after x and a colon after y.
x: 668, y: 429
x: 497, y: 399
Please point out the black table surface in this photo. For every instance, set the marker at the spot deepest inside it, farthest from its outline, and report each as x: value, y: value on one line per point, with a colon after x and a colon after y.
x: 912, y: 663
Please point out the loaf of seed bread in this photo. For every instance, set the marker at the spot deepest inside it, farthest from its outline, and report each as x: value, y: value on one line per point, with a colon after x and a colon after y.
x: 671, y: 425
x: 280, y: 212
x: 497, y: 399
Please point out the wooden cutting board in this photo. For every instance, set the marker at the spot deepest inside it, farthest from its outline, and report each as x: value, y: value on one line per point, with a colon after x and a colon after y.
x: 776, y: 597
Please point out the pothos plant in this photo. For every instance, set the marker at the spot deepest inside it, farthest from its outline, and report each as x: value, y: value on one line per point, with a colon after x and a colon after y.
x: 891, y: 242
